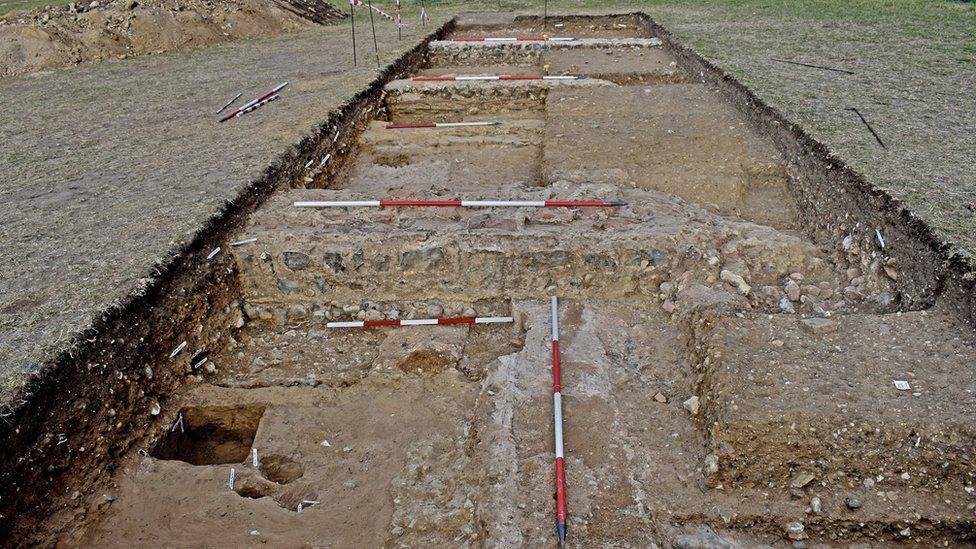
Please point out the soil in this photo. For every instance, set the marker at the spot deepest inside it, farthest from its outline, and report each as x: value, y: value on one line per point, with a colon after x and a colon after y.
x: 80, y: 33
x: 726, y: 380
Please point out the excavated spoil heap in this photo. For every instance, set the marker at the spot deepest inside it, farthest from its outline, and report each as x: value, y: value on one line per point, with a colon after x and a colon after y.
x: 720, y: 368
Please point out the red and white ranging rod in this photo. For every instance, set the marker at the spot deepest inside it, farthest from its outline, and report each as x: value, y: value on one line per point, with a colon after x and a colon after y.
x: 460, y: 203
x: 439, y: 125
x: 456, y: 78
x: 534, y: 38
x: 255, y: 103
x: 557, y: 421
x: 421, y: 322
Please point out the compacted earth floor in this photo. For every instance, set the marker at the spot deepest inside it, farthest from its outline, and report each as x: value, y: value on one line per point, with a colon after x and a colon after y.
x: 726, y: 380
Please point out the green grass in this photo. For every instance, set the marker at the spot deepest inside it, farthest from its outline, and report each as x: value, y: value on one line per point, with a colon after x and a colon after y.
x: 7, y: 6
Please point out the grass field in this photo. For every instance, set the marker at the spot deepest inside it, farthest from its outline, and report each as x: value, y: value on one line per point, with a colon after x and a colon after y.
x: 11, y: 5
x: 914, y: 65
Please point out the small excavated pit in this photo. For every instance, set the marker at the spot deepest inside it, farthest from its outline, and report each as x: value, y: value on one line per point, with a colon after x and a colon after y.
x: 211, y: 435
x: 720, y: 369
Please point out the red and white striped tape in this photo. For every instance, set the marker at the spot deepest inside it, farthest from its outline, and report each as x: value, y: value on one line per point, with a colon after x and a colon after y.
x: 440, y: 125
x: 456, y: 78
x: 524, y: 38
x: 377, y: 10
x: 421, y: 322
x: 460, y: 203
x: 557, y: 421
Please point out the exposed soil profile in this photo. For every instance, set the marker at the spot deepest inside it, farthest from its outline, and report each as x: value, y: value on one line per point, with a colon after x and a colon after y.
x: 85, y: 32
x: 728, y: 379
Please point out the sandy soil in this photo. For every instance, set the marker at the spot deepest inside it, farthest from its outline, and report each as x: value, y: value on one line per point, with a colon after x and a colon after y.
x: 58, y: 37
x: 677, y: 312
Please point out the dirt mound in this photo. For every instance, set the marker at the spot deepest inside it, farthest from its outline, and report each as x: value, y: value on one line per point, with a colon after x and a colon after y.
x: 58, y: 37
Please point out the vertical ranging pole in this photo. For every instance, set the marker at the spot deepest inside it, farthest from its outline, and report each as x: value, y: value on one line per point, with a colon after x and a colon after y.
x: 376, y: 48
x: 557, y: 414
x: 399, y: 35
x: 352, y: 23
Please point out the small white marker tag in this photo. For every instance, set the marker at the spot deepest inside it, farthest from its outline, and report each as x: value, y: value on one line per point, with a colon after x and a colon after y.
x: 902, y: 385
x: 177, y: 350
x: 233, y: 476
x: 213, y: 253
x: 254, y: 456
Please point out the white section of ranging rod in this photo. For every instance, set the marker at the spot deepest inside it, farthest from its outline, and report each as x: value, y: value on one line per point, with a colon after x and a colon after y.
x: 425, y: 125
x: 338, y: 204
x: 420, y: 322
x: 554, y: 311
x: 243, y: 242
x: 557, y: 414
x: 464, y: 124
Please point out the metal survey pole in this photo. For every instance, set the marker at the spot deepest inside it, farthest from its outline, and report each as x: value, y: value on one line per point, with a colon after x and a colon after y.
x: 352, y: 22
x: 376, y: 48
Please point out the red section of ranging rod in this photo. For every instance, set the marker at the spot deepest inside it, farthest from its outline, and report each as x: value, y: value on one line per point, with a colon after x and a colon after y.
x: 521, y: 77
x: 557, y: 421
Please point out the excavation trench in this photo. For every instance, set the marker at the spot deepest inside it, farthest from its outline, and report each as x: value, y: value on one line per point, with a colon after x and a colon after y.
x: 721, y: 368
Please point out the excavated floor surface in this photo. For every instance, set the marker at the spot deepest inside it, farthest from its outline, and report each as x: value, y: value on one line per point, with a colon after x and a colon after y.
x: 721, y: 371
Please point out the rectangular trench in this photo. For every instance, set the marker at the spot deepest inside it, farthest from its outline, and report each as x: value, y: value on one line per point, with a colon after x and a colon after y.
x: 725, y: 368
